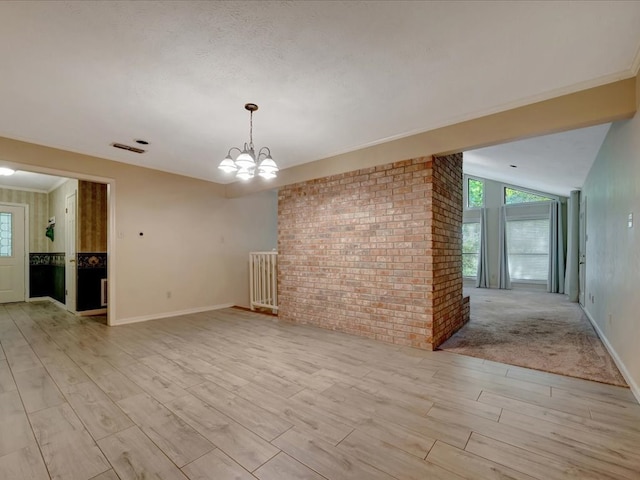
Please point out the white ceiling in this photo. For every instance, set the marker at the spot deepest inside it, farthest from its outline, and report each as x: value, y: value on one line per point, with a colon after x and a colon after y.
x: 555, y: 163
x: 31, y: 181
x: 329, y: 77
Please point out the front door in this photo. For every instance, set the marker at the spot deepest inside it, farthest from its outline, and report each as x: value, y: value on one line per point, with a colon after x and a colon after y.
x: 70, y: 252
x: 12, y: 253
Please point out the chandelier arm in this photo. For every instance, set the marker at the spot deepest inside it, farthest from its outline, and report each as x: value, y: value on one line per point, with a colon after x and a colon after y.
x: 232, y: 149
x: 268, y: 154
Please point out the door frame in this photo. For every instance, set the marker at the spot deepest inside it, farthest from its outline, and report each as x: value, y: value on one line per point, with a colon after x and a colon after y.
x: 67, y: 261
x: 111, y: 222
x: 582, y: 253
x: 27, y: 251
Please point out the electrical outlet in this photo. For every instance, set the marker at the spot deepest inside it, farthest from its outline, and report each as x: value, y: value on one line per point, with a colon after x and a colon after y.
x: 630, y: 221
x: 169, y: 294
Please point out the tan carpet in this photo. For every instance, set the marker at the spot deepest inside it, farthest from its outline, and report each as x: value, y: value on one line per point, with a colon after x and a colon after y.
x: 536, y: 330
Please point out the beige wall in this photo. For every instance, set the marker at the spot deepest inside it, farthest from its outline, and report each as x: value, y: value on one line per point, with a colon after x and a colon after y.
x: 195, y: 243
x: 57, y: 205
x: 612, y: 192
x: 38, y: 215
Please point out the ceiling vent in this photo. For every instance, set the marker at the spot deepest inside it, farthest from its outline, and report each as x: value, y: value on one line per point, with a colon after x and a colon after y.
x: 129, y: 148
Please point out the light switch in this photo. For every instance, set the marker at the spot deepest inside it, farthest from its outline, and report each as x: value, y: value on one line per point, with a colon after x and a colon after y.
x: 630, y: 222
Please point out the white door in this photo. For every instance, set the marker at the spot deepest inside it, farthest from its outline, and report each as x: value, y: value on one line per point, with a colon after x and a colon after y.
x: 12, y: 253
x: 70, y: 252
x: 582, y: 251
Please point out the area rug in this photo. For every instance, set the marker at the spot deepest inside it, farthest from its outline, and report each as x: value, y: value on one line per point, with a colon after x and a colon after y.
x: 538, y: 330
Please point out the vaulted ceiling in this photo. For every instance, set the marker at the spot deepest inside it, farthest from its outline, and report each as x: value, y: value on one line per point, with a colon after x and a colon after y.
x: 329, y: 77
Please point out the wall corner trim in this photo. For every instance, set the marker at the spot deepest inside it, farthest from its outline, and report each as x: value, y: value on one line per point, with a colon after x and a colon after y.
x: 635, y: 388
x: 176, y: 313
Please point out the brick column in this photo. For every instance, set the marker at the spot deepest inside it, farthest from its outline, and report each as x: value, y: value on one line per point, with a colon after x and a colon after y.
x: 449, y: 314
x: 373, y: 252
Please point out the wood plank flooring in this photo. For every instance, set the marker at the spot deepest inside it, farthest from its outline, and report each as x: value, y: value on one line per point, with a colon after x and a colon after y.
x: 232, y: 394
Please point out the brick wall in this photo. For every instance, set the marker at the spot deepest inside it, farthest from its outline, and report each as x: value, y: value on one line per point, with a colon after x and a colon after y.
x: 447, y: 202
x: 356, y: 252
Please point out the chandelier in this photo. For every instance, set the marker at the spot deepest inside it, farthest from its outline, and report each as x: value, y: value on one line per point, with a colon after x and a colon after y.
x: 247, y: 163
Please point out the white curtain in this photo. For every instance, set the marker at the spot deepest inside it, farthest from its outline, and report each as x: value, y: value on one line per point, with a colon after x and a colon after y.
x: 503, y: 272
x: 555, y: 281
x: 571, y: 281
x: 482, y: 278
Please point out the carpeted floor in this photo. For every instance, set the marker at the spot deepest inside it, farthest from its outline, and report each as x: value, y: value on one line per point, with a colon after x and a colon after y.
x: 536, y: 330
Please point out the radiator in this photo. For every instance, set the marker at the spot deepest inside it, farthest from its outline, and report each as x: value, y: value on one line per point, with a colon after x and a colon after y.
x: 263, y: 280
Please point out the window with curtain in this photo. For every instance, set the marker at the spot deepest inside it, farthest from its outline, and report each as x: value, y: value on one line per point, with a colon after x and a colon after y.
x: 528, y: 249
x: 470, y: 249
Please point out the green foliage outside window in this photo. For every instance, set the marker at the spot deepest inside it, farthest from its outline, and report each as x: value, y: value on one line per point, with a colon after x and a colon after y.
x: 511, y: 196
x: 475, y: 193
x: 470, y: 249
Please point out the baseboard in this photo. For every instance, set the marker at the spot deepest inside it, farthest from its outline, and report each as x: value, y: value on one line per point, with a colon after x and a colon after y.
x: 177, y: 313
x: 89, y: 313
x: 50, y: 299
x: 635, y: 389
x: 39, y: 299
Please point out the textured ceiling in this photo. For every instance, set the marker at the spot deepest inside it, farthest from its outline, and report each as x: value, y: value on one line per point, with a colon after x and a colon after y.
x: 329, y: 77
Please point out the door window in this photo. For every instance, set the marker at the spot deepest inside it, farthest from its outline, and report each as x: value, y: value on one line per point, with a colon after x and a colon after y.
x: 6, y: 241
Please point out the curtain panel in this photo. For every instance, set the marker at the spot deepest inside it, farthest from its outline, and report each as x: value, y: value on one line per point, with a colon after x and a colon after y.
x: 504, y: 281
x: 482, y: 278
x: 555, y: 281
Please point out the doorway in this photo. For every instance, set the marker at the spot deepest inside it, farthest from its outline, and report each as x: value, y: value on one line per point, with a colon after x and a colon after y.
x: 66, y: 240
x: 13, y: 237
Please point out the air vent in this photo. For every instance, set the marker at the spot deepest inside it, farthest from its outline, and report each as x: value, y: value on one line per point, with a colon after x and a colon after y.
x: 129, y: 148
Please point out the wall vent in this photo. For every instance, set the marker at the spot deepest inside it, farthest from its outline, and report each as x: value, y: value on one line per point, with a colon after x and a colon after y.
x: 128, y: 147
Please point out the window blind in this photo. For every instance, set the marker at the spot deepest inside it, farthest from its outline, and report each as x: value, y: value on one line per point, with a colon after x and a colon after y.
x: 528, y: 249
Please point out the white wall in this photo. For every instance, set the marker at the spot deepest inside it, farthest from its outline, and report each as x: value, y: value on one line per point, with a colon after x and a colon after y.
x: 612, y: 190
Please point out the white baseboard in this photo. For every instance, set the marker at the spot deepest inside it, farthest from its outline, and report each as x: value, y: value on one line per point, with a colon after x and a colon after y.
x: 52, y: 300
x: 89, y: 313
x: 635, y: 389
x: 39, y: 299
x: 157, y: 316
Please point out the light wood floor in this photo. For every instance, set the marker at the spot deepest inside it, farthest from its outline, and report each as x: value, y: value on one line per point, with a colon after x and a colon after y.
x: 236, y: 395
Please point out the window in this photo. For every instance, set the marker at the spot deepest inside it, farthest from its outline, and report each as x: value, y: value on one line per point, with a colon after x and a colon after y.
x: 528, y: 249
x: 513, y: 195
x: 5, y: 235
x: 470, y: 249
x: 475, y: 193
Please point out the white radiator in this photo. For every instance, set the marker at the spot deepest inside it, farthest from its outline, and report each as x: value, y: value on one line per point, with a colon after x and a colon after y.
x: 263, y: 280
